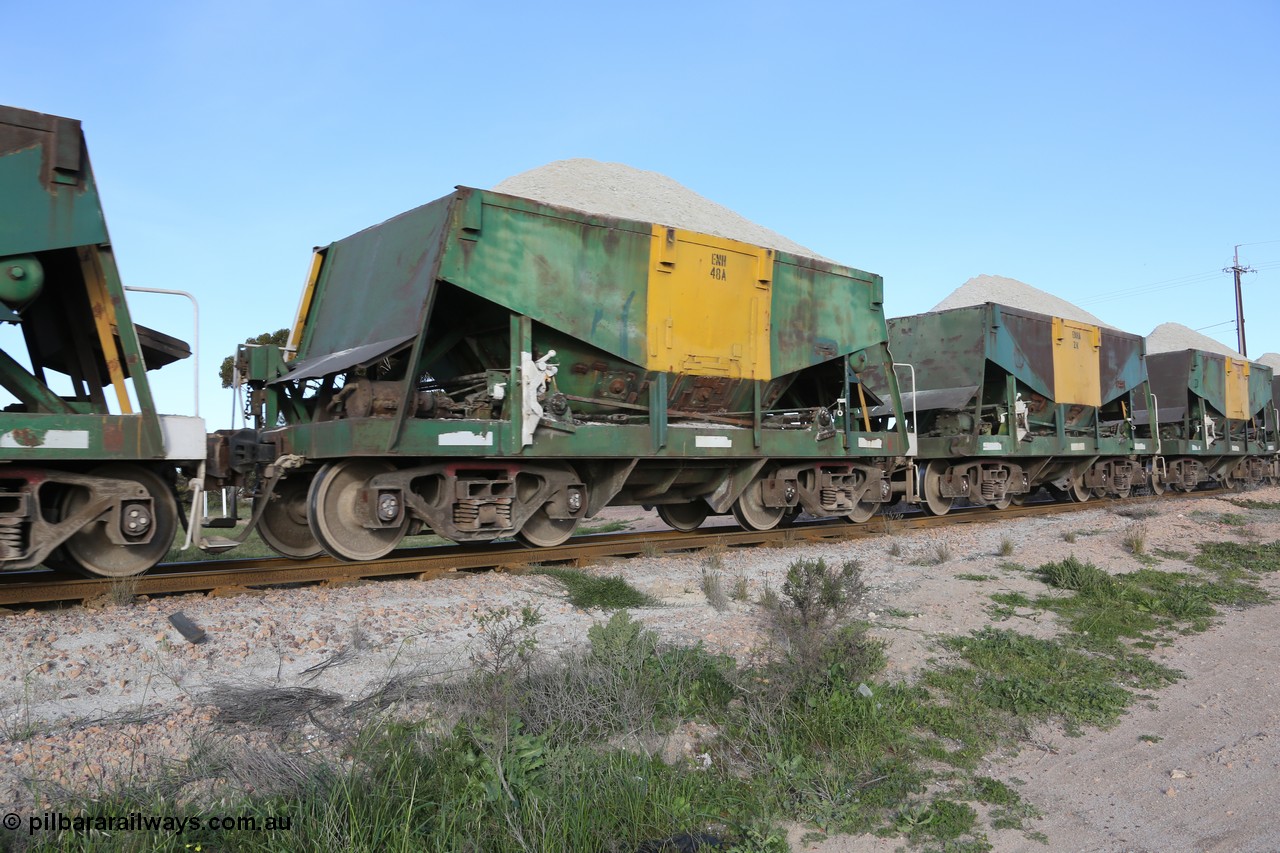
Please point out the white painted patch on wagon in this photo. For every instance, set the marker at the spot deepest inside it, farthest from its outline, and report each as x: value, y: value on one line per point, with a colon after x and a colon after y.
x: 874, y: 443
x: 54, y: 439
x: 713, y: 441
x: 465, y: 439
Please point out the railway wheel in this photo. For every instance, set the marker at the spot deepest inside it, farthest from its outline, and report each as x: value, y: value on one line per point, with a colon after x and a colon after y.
x: 931, y: 490
x: 1004, y: 503
x: 543, y: 531
x: 92, y: 551
x: 1079, y: 492
x: 333, y: 513
x: 751, y: 513
x: 862, y: 512
x: 283, y: 525
x: 685, y: 517
x: 1156, y: 484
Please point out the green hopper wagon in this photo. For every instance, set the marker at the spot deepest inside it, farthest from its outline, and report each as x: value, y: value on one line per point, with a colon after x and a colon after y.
x: 1216, y: 418
x: 487, y: 366
x: 1008, y: 400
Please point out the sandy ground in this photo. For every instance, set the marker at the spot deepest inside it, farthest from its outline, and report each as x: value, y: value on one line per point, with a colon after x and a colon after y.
x: 93, y: 697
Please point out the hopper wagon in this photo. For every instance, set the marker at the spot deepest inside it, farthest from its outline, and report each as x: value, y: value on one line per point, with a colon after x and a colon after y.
x: 487, y: 366
x: 1007, y: 400
x: 1216, y: 419
x: 87, y: 465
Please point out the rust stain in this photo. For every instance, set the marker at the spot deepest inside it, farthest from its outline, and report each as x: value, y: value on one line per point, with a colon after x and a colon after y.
x: 28, y: 437
x: 112, y: 436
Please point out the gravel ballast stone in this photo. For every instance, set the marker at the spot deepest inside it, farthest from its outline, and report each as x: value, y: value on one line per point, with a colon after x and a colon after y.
x: 1016, y: 294
x: 625, y: 192
x: 1174, y: 337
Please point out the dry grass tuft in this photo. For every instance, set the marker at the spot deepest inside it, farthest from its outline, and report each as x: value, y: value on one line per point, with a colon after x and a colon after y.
x: 269, y: 707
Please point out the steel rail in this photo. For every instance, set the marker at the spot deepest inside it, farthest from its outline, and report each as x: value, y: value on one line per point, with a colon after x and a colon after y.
x: 221, y: 577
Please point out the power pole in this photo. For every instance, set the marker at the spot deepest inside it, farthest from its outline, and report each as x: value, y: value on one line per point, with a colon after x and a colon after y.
x: 1236, y: 269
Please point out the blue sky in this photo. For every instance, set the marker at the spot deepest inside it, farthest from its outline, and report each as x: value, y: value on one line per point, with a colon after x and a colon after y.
x: 1088, y: 148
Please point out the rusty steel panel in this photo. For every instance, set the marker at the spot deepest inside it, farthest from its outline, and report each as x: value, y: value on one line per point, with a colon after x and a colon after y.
x: 1022, y: 343
x: 1170, y: 375
x: 583, y: 275
x: 1179, y: 377
x: 50, y: 198
x: 946, y: 348
x: 377, y: 284
x: 1261, y: 378
x: 1122, y: 363
x: 951, y: 349
x: 822, y: 311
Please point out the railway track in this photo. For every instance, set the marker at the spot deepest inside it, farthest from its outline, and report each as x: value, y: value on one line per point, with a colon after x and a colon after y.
x: 229, y: 577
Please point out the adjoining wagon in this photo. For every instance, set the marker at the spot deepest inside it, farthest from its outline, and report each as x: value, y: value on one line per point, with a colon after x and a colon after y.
x: 86, y: 464
x: 488, y: 366
x: 1217, y: 419
x: 1007, y: 400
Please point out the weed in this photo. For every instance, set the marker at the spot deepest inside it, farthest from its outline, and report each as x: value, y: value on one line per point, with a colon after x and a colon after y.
x: 941, y: 553
x: 1244, y: 503
x: 1228, y: 519
x: 1069, y: 537
x: 895, y: 549
x: 1150, y: 738
x: 1136, y: 512
x: 507, y: 640
x: 1006, y: 547
x: 1011, y: 599
x: 991, y: 791
x: 1105, y: 607
x: 1235, y: 557
x: 941, y: 820
x: 123, y: 591
x: 741, y: 590
x: 605, y: 527
x: 816, y: 600
x: 1170, y: 554
x: 608, y: 593
x: 891, y: 520
x: 1135, y: 541
x: 1038, y: 679
x: 650, y: 550
x: 713, y: 558
x: 822, y: 596
x: 22, y: 724
x: 969, y: 576
x: 713, y: 589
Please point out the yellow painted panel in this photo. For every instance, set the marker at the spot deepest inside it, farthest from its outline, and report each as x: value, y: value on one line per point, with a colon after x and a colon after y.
x: 1237, y: 389
x: 1076, y: 366
x: 304, y: 306
x: 104, y: 319
x: 709, y: 305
